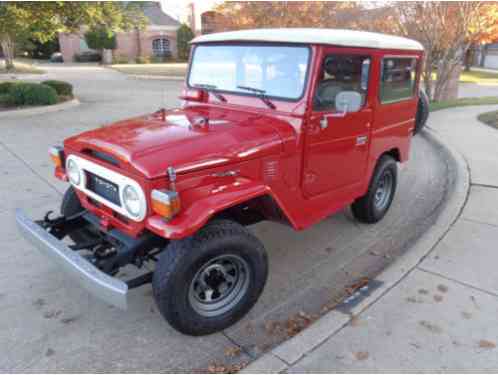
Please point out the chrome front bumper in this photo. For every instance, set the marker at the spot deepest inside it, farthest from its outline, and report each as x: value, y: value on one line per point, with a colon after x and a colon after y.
x: 107, y: 288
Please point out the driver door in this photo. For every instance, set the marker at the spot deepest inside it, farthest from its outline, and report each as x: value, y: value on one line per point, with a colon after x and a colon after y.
x: 337, y: 143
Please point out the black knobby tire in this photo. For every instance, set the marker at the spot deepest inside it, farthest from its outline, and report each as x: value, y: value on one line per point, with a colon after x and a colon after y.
x: 371, y: 208
x: 71, y: 206
x: 181, y: 262
x: 422, y: 112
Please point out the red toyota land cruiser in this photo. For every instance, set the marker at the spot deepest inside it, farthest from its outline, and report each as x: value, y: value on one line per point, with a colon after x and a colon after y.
x: 288, y: 125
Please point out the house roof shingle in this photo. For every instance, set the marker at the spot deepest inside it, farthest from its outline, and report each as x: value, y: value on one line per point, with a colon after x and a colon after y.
x: 156, y: 16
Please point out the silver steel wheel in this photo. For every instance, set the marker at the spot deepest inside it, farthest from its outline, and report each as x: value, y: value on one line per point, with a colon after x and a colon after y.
x: 384, y: 190
x: 219, y: 285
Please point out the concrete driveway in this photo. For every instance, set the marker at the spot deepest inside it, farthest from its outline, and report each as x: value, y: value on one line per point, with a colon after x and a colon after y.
x: 48, y: 324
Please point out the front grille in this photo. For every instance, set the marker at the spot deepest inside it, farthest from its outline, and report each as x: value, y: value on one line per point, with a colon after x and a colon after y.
x: 104, y: 188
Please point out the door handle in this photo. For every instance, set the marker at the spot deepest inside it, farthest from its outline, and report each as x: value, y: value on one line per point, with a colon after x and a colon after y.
x: 361, y: 140
x: 324, y: 123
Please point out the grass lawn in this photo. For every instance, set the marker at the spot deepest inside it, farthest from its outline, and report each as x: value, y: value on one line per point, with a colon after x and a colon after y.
x: 485, y: 100
x: 167, y: 69
x: 474, y: 76
x: 489, y: 118
x: 482, y: 78
x: 20, y: 68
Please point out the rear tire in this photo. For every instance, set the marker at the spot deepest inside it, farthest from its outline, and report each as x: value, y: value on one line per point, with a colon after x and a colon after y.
x: 422, y: 112
x: 206, y: 282
x: 71, y: 206
x: 373, y: 206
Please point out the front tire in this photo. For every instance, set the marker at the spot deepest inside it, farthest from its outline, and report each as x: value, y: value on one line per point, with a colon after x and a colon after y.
x: 206, y: 282
x: 373, y: 206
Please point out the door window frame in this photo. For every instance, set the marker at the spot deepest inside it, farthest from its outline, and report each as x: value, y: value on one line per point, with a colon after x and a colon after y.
x: 330, y: 51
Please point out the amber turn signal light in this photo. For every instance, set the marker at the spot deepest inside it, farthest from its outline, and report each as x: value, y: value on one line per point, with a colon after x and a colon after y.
x: 57, y: 156
x: 165, y: 203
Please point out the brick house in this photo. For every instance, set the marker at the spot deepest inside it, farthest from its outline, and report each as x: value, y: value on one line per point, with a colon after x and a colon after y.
x: 487, y: 56
x: 158, y: 39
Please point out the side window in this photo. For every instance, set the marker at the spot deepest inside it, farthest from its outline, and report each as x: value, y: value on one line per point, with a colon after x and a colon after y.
x: 397, y: 81
x: 341, y: 73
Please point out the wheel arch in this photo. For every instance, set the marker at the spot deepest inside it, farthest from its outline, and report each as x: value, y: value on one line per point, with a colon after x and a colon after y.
x: 246, y: 205
x: 394, y: 153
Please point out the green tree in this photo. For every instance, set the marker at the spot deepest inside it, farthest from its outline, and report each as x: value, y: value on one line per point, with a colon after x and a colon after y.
x: 183, y: 36
x: 43, y: 20
x: 100, y: 39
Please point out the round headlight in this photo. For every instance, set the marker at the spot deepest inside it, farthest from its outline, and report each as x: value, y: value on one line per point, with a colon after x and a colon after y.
x: 131, y: 200
x: 73, y: 172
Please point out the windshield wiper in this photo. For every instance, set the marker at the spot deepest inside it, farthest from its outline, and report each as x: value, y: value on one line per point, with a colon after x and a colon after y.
x: 260, y: 94
x: 210, y: 89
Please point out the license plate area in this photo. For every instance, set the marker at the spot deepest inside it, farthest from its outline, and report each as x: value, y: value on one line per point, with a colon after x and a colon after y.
x: 104, y: 188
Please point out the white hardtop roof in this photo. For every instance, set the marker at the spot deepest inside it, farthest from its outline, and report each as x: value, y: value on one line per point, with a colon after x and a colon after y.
x: 338, y: 37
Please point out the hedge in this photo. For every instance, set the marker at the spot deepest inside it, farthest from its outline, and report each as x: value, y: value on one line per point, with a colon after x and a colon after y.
x: 5, y: 100
x: 62, y: 88
x: 5, y: 87
x: 26, y: 93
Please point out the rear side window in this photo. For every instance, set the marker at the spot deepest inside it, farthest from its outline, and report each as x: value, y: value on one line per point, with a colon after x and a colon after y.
x: 397, y: 79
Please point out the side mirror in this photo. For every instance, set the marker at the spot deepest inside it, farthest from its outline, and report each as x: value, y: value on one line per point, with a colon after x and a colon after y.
x: 348, y: 101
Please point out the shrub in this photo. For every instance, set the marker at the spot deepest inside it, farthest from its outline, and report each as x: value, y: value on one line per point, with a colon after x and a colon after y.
x: 183, y: 36
x: 143, y: 60
x: 157, y: 59
x: 100, y: 39
x: 5, y: 87
x: 62, y: 88
x: 26, y: 93
x: 121, y: 59
x: 5, y: 100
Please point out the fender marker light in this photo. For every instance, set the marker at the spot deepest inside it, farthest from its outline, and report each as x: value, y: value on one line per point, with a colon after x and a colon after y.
x: 57, y: 156
x: 165, y: 203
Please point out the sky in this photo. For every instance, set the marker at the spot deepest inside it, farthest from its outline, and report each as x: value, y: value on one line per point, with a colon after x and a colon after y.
x: 178, y: 8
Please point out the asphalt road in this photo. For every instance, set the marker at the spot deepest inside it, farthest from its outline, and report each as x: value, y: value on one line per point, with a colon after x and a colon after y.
x: 48, y: 324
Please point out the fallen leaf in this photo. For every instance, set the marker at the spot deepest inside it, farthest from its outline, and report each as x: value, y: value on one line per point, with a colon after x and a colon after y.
x: 273, y: 327
x: 438, y: 298
x: 430, y: 326
x: 442, y: 288
x: 486, y: 344
x: 423, y: 291
x: 361, y: 356
x: 355, y: 321
x: 232, y: 352
x: 414, y: 300
x: 39, y: 302
x: 357, y: 285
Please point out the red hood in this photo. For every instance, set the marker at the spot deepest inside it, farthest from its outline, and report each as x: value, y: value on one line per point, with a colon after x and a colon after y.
x: 150, y: 144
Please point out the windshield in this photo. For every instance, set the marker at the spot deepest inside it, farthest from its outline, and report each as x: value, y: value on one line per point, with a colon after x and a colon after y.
x: 273, y: 70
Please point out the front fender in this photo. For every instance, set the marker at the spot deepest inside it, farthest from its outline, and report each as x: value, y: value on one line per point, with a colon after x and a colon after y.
x: 197, y: 214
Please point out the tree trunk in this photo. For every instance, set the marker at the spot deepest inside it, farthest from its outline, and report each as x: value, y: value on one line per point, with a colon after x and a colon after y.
x: 106, y: 56
x: 427, y: 77
x: 446, y: 87
x: 139, y: 43
x: 8, y: 51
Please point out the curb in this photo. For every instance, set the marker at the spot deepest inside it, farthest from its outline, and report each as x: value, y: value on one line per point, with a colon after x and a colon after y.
x: 289, y: 352
x: 159, y: 78
x: 24, y: 77
x: 40, y: 110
